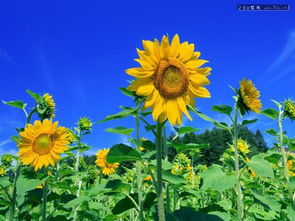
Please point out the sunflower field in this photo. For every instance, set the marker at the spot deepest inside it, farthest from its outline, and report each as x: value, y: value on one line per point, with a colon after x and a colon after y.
x: 49, y: 179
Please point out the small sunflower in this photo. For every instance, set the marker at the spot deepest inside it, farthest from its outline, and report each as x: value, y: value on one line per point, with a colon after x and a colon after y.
x: 243, y: 146
x: 46, y: 107
x: 290, y: 165
x: 148, y: 178
x: 170, y: 77
x: 42, y: 143
x: 249, y: 96
x: 107, y: 168
x: 289, y: 109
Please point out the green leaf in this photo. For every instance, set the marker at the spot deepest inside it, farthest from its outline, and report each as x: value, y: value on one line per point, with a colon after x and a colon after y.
x: 245, y: 122
x: 25, y: 184
x: 17, y: 104
x: 149, y: 200
x: 187, y: 213
x: 148, y: 145
x: 271, y: 113
x: 226, y: 204
x: 120, y: 115
x: 270, y: 202
x: 224, y: 109
x: 76, y: 202
x: 15, y: 138
x: 223, y: 215
x: 166, y: 165
x: 172, y: 179
x: 215, y: 178
x: 120, y: 130
x: 261, y: 166
x: 127, y: 92
x: 272, y: 132
x: 277, y: 103
x: 4, y: 182
x: 121, y: 152
x: 191, y: 146
x: 185, y: 130
x: 291, y: 213
x: 35, y: 96
x: 205, y: 117
x: 291, y: 144
x: 124, y: 204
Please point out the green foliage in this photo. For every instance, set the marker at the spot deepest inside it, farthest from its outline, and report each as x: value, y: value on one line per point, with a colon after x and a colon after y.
x: 122, y: 152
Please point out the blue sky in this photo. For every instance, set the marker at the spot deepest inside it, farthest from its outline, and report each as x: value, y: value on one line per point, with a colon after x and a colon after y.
x: 78, y: 51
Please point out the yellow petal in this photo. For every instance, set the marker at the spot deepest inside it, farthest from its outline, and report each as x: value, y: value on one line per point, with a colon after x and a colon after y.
x: 198, y: 80
x: 175, y: 45
x: 193, y: 64
x: 199, y: 91
x: 182, y: 107
x: 172, y: 111
x: 139, y: 72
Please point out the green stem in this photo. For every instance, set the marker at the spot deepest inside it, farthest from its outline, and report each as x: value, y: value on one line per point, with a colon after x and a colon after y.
x: 286, y: 170
x: 30, y: 115
x: 159, y: 140
x: 138, y: 171
x: 78, y: 194
x: 13, y: 201
x: 237, y: 166
x: 44, y: 201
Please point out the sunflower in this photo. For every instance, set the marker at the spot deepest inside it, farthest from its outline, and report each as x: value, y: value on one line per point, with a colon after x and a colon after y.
x: 170, y: 77
x: 249, y: 96
x: 290, y: 165
x: 42, y: 143
x: 107, y: 168
x: 243, y: 146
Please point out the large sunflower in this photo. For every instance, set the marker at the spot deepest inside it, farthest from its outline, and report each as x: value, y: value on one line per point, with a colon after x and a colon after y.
x: 249, y: 96
x: 101, y: 161
x: 170, y: 77
x: 42, y: 143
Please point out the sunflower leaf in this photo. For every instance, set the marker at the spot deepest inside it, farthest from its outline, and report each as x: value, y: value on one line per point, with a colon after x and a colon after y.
x: 224, y: 109
x: 35, y: 96
x: 18, y: 104
x: 271, y: 113
x: 120, y: 130
x: 121, y: 152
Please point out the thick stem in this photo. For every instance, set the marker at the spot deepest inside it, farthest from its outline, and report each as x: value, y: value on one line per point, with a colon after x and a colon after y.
x: 159, y: 140
x: 237, y: 166
x: 44, y: 201
x: 138, y: 172
x: 284, y: 159
x: 13, y: 201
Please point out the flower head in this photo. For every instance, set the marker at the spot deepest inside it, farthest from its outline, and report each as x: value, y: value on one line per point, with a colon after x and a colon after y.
x: 84, y: 124
x: 289, y: 109
x: 46, y: 107
x: 148, y: 178
x: 249, y: 97
x: 170, y: 77
x: 101, y: 161
x: 291, y: 168
x: 243, y: 146
x: 42, y: 143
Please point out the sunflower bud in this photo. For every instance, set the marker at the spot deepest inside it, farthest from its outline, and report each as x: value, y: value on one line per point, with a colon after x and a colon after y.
x: 85, y: 124
x: 289, y: 109
x: 2, y: 171
x: 6, y: 160
x: 70, y: 136
x: 46, y: 107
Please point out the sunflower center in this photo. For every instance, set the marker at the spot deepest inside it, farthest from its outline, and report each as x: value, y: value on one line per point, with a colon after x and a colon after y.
x: 170, y: 78
x: 43, y: 144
